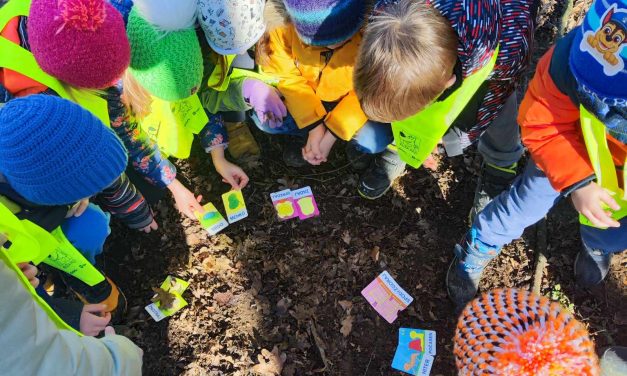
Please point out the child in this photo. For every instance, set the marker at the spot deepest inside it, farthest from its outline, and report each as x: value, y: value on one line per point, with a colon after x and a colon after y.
x: 98, y: 64
x: 436, y: 66
x: 579, y: 89
x: 166, y: 64
x: 231, y: 82
x: 39, y: 345
x: 313, y: 58
x: 55, y: 156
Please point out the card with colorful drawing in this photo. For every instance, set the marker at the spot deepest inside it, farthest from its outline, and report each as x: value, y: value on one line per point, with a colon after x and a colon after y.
x: 283, y: 202
x: 415, y: 352
x: 168, y: 298
x: 211, y: 220
x: 235, y: 206
x: 305, y: 203
x: 386, y: 296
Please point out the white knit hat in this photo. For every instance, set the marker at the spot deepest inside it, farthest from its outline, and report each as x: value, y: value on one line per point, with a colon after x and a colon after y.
x: 231, y: 26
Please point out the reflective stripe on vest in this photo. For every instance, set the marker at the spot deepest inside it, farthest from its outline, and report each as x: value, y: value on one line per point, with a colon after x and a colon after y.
x: 595, y: 136
x: 18, y: 59
x: 418, y: 135
x: 31, y: 243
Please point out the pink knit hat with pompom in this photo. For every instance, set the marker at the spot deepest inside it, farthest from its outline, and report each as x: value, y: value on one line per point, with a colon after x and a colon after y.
x: 81, y: 42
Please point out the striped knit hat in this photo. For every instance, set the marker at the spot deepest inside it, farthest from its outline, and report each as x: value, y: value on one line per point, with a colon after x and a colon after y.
x: 326, y: 22
x: 514, y: 332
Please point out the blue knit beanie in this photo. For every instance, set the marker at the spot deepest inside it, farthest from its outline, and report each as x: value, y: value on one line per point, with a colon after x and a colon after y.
x: 53, y: 152
x: 599, y: 51
x: 326, y: 22
x: 124, y: 7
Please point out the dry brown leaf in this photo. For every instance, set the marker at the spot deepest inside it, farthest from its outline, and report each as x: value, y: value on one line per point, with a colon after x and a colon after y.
x: 346, y: 237
x: 347, y: 326
x: 270, y: 363
x: 223, y: 298
x: 165, y: 298
x: 345, y: 304
x: 376, y: 251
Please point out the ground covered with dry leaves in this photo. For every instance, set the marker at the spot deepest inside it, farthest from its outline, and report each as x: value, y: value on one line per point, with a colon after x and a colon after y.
x: 272, y: 297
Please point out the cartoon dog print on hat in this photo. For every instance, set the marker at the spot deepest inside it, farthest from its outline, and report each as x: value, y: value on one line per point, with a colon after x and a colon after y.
x: 607, y: 43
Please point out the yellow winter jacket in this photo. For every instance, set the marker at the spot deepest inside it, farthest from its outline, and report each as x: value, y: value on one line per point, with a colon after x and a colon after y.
x: 311, y: 75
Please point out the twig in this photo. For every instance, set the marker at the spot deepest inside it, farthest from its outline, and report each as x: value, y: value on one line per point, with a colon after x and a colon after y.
x: 319, y: 345
x: 541, y: 260
x: 568, y: 9
x: 370, y: 361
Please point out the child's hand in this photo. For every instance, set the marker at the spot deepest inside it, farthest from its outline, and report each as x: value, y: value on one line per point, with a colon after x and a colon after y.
x: 30, y: 271
x: 325, y: 148
x: 94, y: 319
x: 312, y: 148
x: 78, y: 209
x: 153, y: 226
x: 265, y: 100
x: 589, y: 202
x: 185, y: 200
x: 231, y: 174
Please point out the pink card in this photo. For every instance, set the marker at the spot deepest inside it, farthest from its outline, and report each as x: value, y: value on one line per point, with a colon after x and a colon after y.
x: 283, y: 202
x: 305, y: 203
x: 386, y: 296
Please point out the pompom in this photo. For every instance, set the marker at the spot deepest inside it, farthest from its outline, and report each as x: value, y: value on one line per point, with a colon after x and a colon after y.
x: 168, y: 15
x: 84, y: 15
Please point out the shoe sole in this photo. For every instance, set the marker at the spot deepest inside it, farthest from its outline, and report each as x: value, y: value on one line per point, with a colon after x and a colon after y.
x: 372, y: 198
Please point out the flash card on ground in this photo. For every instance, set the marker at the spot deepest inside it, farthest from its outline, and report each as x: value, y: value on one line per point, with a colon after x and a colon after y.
x: 305, y: 203
x: 386, y: 296
x: 235, y: 206
x: 168, y: 298
x: 211, y: 220
x: 415, y: 351
x: 283, y: 202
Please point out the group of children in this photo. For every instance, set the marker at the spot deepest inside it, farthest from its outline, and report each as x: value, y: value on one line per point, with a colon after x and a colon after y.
x: 96, y: 96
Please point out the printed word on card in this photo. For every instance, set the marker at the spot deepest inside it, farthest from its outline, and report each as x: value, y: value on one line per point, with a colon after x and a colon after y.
x: 386, y: 296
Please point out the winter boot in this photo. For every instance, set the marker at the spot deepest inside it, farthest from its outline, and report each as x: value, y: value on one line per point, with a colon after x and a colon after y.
x: 591, y: 266
x: 241, y: 141
x: 357, y: 158
x: 492, y: 182
x: 378, y: 179
x: 464, y: 273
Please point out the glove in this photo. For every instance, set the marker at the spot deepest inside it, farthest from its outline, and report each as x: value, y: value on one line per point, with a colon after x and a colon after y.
x: 265, y: 100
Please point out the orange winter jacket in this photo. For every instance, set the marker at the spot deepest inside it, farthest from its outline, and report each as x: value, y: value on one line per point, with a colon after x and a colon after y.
x: 308, y: 77
x: 551, y: 131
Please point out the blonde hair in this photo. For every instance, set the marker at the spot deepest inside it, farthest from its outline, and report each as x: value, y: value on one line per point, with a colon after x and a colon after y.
x: 407, y: 56
x: 135, y: 97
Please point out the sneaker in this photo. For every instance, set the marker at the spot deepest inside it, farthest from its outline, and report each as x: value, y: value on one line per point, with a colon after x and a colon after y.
x: 378, y: 179
x: 241, y: 141
x: 293, y: 152
x: 492, y: 182
x: 591, y: 266
x: 614, y: 361
x: 357, y: 158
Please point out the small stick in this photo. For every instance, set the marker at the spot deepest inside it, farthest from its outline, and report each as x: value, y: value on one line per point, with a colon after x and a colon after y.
x: 319, y: 345
x: 541, y: 260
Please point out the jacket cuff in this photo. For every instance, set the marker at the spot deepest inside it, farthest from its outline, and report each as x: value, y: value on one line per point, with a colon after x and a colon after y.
x: 569, y: 190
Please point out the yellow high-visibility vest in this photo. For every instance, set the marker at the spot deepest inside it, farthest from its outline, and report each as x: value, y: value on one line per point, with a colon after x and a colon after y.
x: 18, y: 59
x: 418, y: 135
x: 594, y: 134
